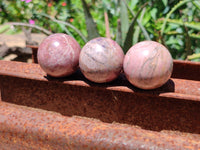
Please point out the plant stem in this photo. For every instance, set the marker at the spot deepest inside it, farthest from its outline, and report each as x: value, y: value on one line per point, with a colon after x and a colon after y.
x: 192, y: 25
x: 67, y: 24
x: 119, y: 33
x: 107, y: 24
x: 171, y: 11
x: 31, y: 26
x: 188, y: 45
x: 197, y: 4
x: 194, y: 56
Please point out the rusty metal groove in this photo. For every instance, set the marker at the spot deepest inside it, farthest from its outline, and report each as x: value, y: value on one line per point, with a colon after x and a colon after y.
x: 28, y: 128
x: 174, y: 88
x: 164, y: 118
x: 186, y: 70
x: 148, y: 111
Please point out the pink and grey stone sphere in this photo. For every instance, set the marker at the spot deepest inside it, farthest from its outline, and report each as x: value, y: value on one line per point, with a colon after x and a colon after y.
x: 58, y: 55
x: 148, y: 65
x: 101, y: 60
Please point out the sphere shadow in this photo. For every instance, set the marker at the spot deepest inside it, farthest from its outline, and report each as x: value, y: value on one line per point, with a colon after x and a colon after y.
x: 120, y: 81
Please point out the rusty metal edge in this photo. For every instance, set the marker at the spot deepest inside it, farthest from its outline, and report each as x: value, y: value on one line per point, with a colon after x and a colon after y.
x: 33, y: 71
x: 186, y: 62
x: 186, y: 70
x: 30, y: 128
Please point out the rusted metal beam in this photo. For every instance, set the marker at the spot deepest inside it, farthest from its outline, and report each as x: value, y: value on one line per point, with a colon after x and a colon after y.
x: 34, y: 53
x: 186, y: 70
x: 28, y: 128
x: 165, y: 118
x: 174, y: 88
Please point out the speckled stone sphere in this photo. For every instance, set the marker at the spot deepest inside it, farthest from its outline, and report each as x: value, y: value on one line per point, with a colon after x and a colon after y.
x: 58, y: 55
x: 148, y: 65
x: 101, y: 60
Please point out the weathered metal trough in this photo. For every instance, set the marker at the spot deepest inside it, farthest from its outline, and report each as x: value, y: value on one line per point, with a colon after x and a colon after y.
x: 40, y: 112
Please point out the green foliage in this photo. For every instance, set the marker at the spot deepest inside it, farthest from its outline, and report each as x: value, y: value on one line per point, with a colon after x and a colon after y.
x: 61, y: 23
x: 174, y: 23
x: 192, y: 25
x: 171, y: 11
x: 124, y: 18
x: 90, y: 24
x: 129, y: 36
x: 4, y: 28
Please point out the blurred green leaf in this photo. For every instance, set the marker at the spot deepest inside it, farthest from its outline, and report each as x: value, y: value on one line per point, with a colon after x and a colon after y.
x: 197, y: 4
x: 124, y: 20
x: 90, y: 24
x: 195, y: 36
x: 147, y: 18
x: 137, y: 29
x: 129, y: 37
x: 165, y: 2
x: 171, y: 11
x: 4, y: 28
x: 193, y: 25
x: 146, y: 35
x: 66, y: 24
x: 194, y: 56
x: 153, y: 13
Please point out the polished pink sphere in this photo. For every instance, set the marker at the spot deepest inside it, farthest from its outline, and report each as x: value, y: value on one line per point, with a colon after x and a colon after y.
x: 101, y: 60
x: 148, y: 65
x: 58, y: 55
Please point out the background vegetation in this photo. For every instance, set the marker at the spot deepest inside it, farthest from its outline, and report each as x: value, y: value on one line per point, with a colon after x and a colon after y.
x: 174, y: 23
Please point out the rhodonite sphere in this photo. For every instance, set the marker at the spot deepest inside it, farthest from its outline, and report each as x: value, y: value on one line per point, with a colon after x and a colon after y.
x: 101, y: 60
x: 148, y: 65
x: 58, y: 55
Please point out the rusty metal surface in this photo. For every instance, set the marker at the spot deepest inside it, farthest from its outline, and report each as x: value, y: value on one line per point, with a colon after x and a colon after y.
x: 186, y: 70
x: 174, y: 88
x: 148, y: 111
x: 168, y: 117
x: 28, y: 128
x: 34, y: 53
